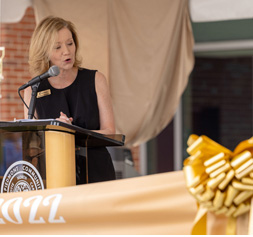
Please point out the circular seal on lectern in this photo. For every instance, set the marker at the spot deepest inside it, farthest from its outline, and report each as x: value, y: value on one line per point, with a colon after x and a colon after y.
x: 21, y: 176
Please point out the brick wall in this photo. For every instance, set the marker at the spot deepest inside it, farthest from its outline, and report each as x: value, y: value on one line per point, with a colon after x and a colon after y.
x: 221, y: 95
x: 15, y: 37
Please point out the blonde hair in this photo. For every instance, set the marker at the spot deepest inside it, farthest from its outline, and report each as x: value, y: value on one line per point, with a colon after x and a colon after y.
x: 43, y: 40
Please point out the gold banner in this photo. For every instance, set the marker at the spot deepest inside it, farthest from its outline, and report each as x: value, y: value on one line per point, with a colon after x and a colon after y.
x: 154, y: 204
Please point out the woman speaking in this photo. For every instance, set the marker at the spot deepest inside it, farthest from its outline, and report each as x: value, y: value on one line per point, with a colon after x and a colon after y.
x: 77, y: 96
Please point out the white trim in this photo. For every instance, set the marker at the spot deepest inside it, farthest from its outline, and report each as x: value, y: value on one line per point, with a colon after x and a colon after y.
x: 177, y: 137
x: 223, y: 45
x: 143, y: 159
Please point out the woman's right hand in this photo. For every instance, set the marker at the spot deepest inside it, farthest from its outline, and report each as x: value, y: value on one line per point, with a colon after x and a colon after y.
x: 64, y: 118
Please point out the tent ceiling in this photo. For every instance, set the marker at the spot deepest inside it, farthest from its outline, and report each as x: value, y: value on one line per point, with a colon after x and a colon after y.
x: 200, y: 11
x: 217, y: 10
x: 12, y: 11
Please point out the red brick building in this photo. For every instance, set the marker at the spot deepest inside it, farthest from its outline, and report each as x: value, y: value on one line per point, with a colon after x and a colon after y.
x: 15, y: 37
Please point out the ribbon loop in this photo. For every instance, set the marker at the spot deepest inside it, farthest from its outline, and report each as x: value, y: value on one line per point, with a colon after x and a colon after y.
x: 220, y: 180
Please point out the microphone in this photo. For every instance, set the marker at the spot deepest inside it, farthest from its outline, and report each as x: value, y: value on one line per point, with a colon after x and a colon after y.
x: 52, y: 72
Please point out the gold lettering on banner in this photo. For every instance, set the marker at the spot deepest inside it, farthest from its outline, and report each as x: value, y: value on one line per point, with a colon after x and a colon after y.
x: 12, y: 209
x: 43, y: 93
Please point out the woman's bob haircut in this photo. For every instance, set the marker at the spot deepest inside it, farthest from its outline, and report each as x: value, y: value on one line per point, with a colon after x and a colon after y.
x: 43, y: 40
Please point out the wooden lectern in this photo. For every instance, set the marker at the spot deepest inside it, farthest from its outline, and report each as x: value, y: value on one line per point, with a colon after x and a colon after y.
x: 38, y: 154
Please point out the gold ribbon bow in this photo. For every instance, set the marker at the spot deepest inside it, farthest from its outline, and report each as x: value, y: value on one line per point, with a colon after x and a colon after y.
x: 220, y: 180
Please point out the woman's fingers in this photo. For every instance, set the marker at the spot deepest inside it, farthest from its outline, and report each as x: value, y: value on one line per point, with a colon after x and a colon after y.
x: 64, y: 118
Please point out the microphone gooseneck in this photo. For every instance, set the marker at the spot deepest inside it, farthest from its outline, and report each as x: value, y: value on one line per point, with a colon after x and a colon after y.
x: 52, y: 72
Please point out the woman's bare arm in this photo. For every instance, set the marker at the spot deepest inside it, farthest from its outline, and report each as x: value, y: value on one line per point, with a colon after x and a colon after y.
x: 107, y: 125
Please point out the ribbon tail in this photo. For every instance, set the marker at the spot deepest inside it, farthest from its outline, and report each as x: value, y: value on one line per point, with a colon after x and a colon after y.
x: 251, y: 218
x: 231, y: 226
x: 199, y: 227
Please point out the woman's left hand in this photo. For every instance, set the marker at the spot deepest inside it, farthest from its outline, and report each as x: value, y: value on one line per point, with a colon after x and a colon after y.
x: 64, y: 118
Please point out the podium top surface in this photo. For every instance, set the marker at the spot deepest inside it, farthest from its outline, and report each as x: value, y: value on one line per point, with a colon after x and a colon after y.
x: 83, y: 137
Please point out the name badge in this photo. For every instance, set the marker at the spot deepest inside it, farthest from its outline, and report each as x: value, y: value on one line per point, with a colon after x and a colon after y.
x: 43, y: 93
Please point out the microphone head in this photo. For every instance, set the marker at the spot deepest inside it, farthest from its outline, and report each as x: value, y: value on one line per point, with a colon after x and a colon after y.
x: 53, y: 71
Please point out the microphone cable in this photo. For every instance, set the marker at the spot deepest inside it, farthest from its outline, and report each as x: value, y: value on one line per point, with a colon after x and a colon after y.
x: 24, y: 102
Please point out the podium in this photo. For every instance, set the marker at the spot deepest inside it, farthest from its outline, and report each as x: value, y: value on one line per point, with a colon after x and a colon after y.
x: 40, y: 154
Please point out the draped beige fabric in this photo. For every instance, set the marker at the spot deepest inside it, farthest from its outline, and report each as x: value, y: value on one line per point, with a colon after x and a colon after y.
x: 143, y: 47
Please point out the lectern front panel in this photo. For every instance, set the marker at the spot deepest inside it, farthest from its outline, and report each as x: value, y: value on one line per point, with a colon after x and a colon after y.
x: 60, y: 159
x: 22, y: 161
x: 39, y: 154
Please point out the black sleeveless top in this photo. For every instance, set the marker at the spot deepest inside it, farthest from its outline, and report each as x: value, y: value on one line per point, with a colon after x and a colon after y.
x: 79, y: 101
